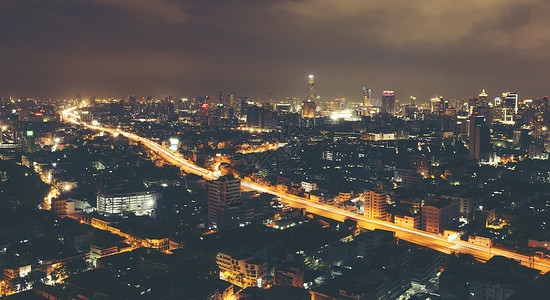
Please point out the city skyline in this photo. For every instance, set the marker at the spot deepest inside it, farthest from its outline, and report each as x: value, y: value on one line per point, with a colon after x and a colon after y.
x: 282, y: 149
x: 102, y: 48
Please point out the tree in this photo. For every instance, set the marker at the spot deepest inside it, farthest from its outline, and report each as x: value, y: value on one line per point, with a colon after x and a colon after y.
x: 66, y: 269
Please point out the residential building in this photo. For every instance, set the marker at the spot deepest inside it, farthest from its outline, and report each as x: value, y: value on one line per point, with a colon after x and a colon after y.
x: 375, y: 204
x: 242, y: 270
x: 437, y: 215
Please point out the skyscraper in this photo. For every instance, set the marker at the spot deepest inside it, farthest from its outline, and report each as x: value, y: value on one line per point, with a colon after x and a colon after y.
x: 308, y: 106
x: 509, y: 104
x: 388, y: 102
x: 437, y: 105
x: 482, y: 100
x: 243, y: 106
x: 479, y: 145
x: 226, y: 99
x: 223, y: 193
x: 367, y: 93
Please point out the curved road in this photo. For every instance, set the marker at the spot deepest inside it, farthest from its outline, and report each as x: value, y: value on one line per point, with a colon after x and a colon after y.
x: 430, y: 240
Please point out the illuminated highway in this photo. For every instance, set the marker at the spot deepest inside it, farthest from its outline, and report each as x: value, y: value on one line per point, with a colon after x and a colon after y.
x: 430, y: 240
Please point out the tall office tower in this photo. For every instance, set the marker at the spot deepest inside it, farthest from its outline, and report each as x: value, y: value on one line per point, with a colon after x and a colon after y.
x: 367, y: 93
x: 375, y: 205
x: 412, y: 100
x: 509, y: 105
x: 482, y: 100
x: 243, y: 105
x: 388, y: 102
x: 479, y: 135
x: 226, y: 99
x: 231, y: 100
x: 294, y: 103
x: 223, y: 194
x: 435, y: 105
x: 308, y: 106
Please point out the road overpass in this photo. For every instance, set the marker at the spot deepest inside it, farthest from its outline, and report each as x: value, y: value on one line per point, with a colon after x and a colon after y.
x: 430, y: 240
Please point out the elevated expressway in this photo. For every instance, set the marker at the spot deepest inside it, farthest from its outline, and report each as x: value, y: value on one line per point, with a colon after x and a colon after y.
x: 430, y: 240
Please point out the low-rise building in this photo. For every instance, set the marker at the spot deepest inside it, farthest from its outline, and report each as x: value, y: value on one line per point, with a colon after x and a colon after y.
x: 413, y: 221
x: 242, y: 270
x: 480, y: 241
x: 126, y: 201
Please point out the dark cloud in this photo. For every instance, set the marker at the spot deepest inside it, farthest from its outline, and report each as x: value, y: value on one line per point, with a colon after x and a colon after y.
x: 422, y: 48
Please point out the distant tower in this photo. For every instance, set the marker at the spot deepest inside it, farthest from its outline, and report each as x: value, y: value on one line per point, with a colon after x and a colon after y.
x: 482, y: 100
x: 509, y: 105
x: 388, y: 102
x: 437, y: 105
x: 478, y: 146
x: 367, y: 93
x: 308, y: 106
x: 311, y: 95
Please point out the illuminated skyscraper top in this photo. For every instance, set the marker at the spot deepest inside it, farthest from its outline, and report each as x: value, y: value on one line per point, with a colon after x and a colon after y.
x: 483, y: 100
x: 367, y: 93
x: 388, y: 102
x: 311, y: 96
x: 308, y: 106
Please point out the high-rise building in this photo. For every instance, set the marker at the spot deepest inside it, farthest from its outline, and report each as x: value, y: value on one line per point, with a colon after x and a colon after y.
x: 509, y: 105
x: 437, y: 105
x: 294, y: 103
x: 482, y: 100
x: 226, y: 99
x: 367, y: 94
x: 375, y: 204
x: 388, y: 102
x: 308, y: 105
x: 478, y: 104
x: 243, y: 106
x: 223, y: 193
x: 479, y: 135
x: 261, y: 117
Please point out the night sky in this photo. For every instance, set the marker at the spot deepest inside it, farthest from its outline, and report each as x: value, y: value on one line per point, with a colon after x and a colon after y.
x: 57, y: 48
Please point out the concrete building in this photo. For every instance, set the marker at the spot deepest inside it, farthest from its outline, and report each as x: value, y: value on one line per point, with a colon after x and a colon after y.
x: 223, y: 194
x: 408, y: 221
x: 125, y: 201
x: 375, y: 205
x: 288, y: 276
x: 309, y: 186
x: 242, y: 270
x: 479, y: 147
x: 437, y: 215
x: 465, y: 205
x: 480, y: 241
x: 388, y: 102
